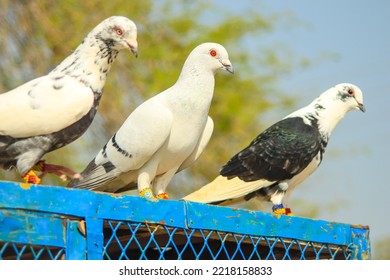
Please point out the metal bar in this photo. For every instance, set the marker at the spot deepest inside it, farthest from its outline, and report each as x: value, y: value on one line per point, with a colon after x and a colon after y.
x: 53, y: 216
x: 51, y: 199
x: 76, y: 243
x: 84, y: 203
x: 95, y: 238
x: 28, y: 227
x: 137, y: 209
x: 242, y: 221
x: 360, y: 242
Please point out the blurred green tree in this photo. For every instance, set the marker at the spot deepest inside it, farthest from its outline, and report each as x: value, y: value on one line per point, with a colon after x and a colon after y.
x: 37, y: 35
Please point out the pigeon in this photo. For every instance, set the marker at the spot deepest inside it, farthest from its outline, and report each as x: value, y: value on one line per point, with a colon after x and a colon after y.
x: 283, y: 155
x: 52, y: 111
x: 163, y: 135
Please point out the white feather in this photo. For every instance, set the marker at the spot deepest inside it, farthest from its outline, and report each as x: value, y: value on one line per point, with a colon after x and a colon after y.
x: 36, y: 108
x: 202, y: 143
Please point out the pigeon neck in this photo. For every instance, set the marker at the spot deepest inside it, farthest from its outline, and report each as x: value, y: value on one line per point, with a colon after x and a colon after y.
x: 196, y: 89
x: 89, y: 63
x: 325, y: 113
x: 197, y: 76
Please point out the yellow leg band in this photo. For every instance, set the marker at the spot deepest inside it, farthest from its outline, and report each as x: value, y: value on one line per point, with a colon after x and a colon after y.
x: 31, y: 178
x: 163, y: 195
x: 283, y: 211
x: 279, y: 209
x: 147, y: 193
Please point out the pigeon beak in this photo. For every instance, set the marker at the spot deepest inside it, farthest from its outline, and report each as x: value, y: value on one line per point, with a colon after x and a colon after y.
x: 227, y: 65
x: 133, y: 46
x: 361, y: 107
x: 229, y: 68
x: 134, y: 51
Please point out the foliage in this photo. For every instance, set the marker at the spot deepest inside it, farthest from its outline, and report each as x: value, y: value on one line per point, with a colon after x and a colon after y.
x: 37, y: 35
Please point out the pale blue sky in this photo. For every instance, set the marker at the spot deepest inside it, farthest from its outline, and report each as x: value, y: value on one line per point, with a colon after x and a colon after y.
x: 348, y: 41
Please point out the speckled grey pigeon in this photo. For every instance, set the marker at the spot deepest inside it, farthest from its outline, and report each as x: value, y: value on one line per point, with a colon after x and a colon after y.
x: 163, y: 135
x: 283, y: 155
x: 51, y: 111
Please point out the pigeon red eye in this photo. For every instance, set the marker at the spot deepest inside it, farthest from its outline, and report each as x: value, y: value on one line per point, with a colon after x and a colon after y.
x: 118, y: 31
x: 213, y: 53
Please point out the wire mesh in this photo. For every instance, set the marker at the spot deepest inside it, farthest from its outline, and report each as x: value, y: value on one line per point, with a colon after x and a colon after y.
x: 50, y: 222
x: 125, y: 240
x: 17, y: 251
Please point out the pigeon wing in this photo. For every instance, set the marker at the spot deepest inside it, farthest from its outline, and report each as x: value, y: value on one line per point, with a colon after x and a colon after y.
x: 201, y: 145
x: 280, y: 152
x: 43, y: 106
x: 141, y: 136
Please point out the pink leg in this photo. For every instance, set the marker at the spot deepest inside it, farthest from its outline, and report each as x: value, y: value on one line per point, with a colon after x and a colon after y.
x: 61, y: 171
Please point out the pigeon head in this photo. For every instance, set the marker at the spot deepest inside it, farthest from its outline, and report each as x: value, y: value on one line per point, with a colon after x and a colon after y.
x: 331, y: 106
x: 351, y: 95
x: 118, y: 33
x: 212, y: 55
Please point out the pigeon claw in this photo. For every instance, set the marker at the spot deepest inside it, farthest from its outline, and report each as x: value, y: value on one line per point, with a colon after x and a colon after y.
x: 162, y: 195
x: 148, y: 194
x: 31, y: 178
x: 279, y: 209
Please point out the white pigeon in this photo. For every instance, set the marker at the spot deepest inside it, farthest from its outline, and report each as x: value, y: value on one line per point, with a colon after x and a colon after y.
x: 51, y: 111
x: 284, y: 155
x: 164, y: 135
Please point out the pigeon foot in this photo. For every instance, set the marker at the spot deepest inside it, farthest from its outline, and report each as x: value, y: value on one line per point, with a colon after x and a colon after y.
x: 31, y: 178
x: 279, y: 209
x: 163, y: 195
x: 148, y: 194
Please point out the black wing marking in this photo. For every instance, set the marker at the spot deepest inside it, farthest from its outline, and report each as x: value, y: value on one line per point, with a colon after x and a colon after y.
x: 94, y: 176
x: 280, y: 152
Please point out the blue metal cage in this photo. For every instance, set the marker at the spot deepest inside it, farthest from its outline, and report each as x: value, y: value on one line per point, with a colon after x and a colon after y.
x: 50, y: 222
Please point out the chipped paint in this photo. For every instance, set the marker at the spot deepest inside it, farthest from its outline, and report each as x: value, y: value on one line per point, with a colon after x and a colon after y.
x: 47, y: 220
x: 81, y: 227
x: 360, y: 242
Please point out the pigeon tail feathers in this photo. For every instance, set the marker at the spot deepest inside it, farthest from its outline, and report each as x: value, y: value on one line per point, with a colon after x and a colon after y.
x: 94, y: 176
x: 222, y: 189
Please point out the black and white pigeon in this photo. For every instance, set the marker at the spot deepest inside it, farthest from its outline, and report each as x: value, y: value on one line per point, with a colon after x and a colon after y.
x: 51, y: 111
x: 163, y: 135
x: 284, y: 155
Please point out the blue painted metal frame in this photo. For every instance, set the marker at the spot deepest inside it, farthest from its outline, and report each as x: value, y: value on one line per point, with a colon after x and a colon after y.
x: 40, y: 215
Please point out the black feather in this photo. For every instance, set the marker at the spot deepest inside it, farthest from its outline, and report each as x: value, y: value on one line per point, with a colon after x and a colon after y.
x: 280, y: 152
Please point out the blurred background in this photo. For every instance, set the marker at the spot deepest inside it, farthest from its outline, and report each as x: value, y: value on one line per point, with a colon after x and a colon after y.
x: 284, y: 55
